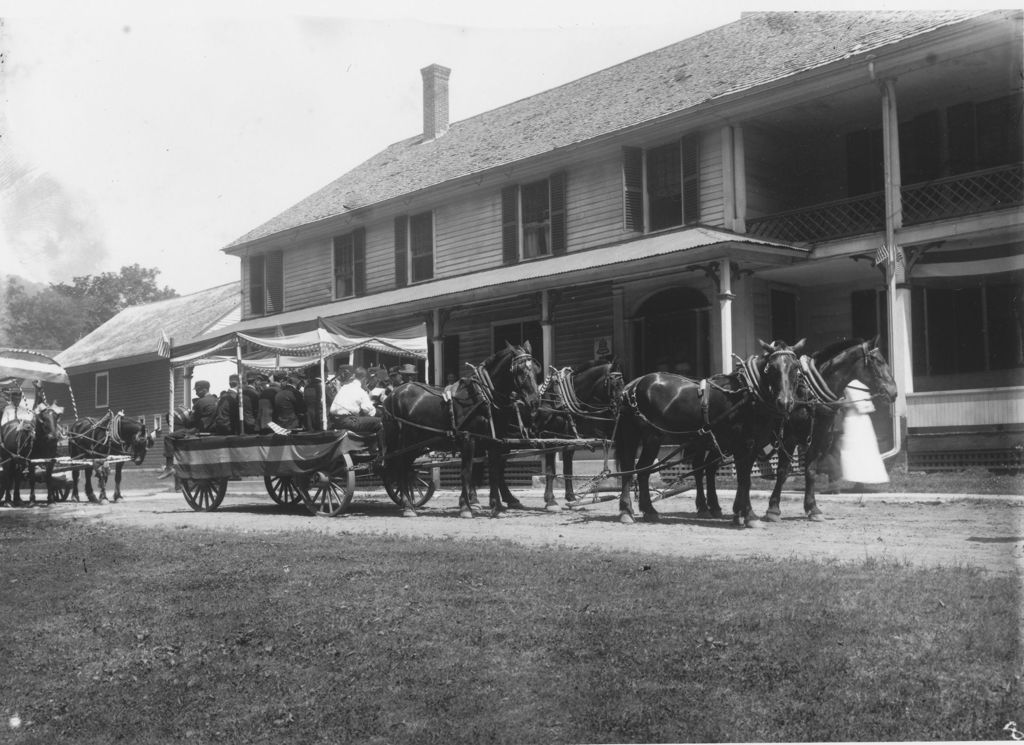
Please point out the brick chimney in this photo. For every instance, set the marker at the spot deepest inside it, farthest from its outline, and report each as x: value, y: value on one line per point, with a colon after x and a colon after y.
x: 435, y: 101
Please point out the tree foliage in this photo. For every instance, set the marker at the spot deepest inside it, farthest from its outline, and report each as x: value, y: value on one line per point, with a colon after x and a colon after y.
x: 63, y: 313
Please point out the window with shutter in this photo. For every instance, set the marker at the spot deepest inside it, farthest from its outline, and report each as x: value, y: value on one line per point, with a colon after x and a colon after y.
x: 344, y: 267
x: 510, y: 224
x: 421, y: 247
x: 257, y: 286
x: 275, y: 281
x: 633, y: 188
x: 664, y: 186
x: 690, y: 146
x: 401, y: 251
x: 359, y: 260
x: 559, y: 237
x: 533, y: 219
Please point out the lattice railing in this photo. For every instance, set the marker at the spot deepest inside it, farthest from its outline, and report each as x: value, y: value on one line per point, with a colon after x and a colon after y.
x: 967, y: 194
x: 843, y: 217
x: 980, y: 191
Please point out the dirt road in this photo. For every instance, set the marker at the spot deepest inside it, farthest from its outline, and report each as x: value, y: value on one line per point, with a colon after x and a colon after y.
x: 924, y: 530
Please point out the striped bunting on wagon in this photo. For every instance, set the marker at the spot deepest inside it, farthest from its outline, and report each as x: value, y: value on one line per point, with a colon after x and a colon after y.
x: 221, y: 457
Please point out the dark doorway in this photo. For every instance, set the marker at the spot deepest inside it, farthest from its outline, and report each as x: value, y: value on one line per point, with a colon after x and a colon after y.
x: 671, y: 332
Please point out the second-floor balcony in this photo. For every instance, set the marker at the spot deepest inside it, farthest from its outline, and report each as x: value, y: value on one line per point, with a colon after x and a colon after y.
x: 956, y: 196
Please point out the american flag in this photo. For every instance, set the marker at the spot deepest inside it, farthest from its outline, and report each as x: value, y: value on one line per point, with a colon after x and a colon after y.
x: 885, y: 254
x: 163, y: 347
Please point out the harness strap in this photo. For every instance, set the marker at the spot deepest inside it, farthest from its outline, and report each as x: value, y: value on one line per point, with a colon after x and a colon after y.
x: 815, y: 381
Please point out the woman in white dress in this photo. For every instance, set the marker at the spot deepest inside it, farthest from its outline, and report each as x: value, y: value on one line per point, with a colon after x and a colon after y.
x: 858, y: 447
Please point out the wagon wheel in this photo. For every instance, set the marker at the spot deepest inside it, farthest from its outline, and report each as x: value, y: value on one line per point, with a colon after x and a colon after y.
x: 287, y: 490
x: 204, y: 495
x: 329, y: 494
x: 422, y: 488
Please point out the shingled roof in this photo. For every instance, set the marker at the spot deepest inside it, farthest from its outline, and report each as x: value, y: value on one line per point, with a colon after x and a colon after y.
x: 135, y: 331
x: 758, y: 49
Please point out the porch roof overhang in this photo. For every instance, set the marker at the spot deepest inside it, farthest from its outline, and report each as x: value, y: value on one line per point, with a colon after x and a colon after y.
x: 645, y: 256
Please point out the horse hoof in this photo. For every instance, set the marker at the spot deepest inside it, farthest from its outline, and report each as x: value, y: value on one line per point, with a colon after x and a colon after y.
x: 409, y: 513
x: 816, y: 516
x: 625, y: 518
x: 467, y: 514
x: 553, y: 507
x: 652, y: 517
x: 717, y: 514
x: 498, y: 514
x: 773, y: 517
x: 705, y: 515
x: 515, y: 504
x: 753, y: 521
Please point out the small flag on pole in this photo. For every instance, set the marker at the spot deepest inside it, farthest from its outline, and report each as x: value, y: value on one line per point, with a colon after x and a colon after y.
x: 163, y: 347
x: 886, y: 254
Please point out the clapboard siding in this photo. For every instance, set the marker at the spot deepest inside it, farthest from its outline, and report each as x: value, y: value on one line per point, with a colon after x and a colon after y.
x: 308, y: 275
x: 138, y: 390
x: 581, y: 316
x: 594, y: 203
x: 468, y: 234
x: 983, y: 406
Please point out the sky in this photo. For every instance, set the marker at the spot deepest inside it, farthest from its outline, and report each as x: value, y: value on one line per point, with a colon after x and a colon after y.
x: 158, y: 133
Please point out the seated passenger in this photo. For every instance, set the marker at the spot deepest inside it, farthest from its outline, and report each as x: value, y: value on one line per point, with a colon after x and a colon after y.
x: 204, y: 408
x: 352, y: 408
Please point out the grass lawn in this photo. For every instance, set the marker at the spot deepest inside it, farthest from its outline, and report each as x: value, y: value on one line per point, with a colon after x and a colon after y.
x: 190, y: 636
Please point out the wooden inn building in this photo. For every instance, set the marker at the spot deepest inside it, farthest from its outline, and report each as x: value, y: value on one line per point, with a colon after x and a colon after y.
x: 678, y: 206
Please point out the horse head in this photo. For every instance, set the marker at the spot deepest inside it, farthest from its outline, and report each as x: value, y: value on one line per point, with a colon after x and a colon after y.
x: 876, y: 372
x: 514, y: 374
x: 133, y: 433
x: 47, y: 422
x: 780, y: 374
x: 599, y: 382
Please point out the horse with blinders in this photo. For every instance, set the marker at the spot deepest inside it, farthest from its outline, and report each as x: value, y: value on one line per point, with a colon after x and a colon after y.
x: 579, y: 402
x: 726, y: 413
x: 499, y: 399
x: 23, y: 441
x: 112, y: 434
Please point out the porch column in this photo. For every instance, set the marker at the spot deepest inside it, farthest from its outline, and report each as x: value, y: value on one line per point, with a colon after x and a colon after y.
x: 546, y: 329
x: 438, y: 338
x: 725, y: 298
x: 897, y: 289
x: 619, y: 327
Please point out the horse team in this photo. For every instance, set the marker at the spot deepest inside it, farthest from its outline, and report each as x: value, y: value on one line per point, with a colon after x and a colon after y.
x: 91, y: 442
x: 775, y: 401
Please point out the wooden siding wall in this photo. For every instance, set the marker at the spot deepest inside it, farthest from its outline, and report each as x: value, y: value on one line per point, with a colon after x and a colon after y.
x: 308, y: 275
x: 468, y: 230
x: 473, y: 325
x: 138, y: 390
x: 981, y: 406
x: 581, y: 315
x: 468, y: 234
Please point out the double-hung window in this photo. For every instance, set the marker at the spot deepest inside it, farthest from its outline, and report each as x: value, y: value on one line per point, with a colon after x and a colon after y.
x: 102, y: 393
x: 266, y: 283
x: 661, y: 185
x: 533, y: 219
x: 414, y: 248
x: 350, y: 264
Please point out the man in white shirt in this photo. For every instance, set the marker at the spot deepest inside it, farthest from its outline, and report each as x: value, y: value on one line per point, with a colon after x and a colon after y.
x: 16, y: 410
x: 352, y: 408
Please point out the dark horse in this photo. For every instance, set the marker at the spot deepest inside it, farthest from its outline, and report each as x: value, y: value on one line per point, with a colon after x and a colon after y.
x: 726, y: 413
x: 113, y: 434
x: 576, y: 403
x: 498, y: 400
x: 21, y: 442
x: 812, y: 426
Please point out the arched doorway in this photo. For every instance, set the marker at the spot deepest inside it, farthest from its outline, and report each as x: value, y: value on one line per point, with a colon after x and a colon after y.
x: 671, y: 332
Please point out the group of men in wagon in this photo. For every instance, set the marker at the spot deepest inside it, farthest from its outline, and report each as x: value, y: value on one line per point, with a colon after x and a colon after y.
x: 289, y: 402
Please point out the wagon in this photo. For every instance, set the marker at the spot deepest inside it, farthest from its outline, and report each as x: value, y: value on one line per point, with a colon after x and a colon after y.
x: 318, y: 469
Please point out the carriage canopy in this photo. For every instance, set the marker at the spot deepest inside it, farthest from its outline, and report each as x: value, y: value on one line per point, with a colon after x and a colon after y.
x: 293, y: 351
x: 19, y: 365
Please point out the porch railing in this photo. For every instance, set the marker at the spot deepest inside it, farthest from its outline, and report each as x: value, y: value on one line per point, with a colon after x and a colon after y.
x: 956, y: 196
